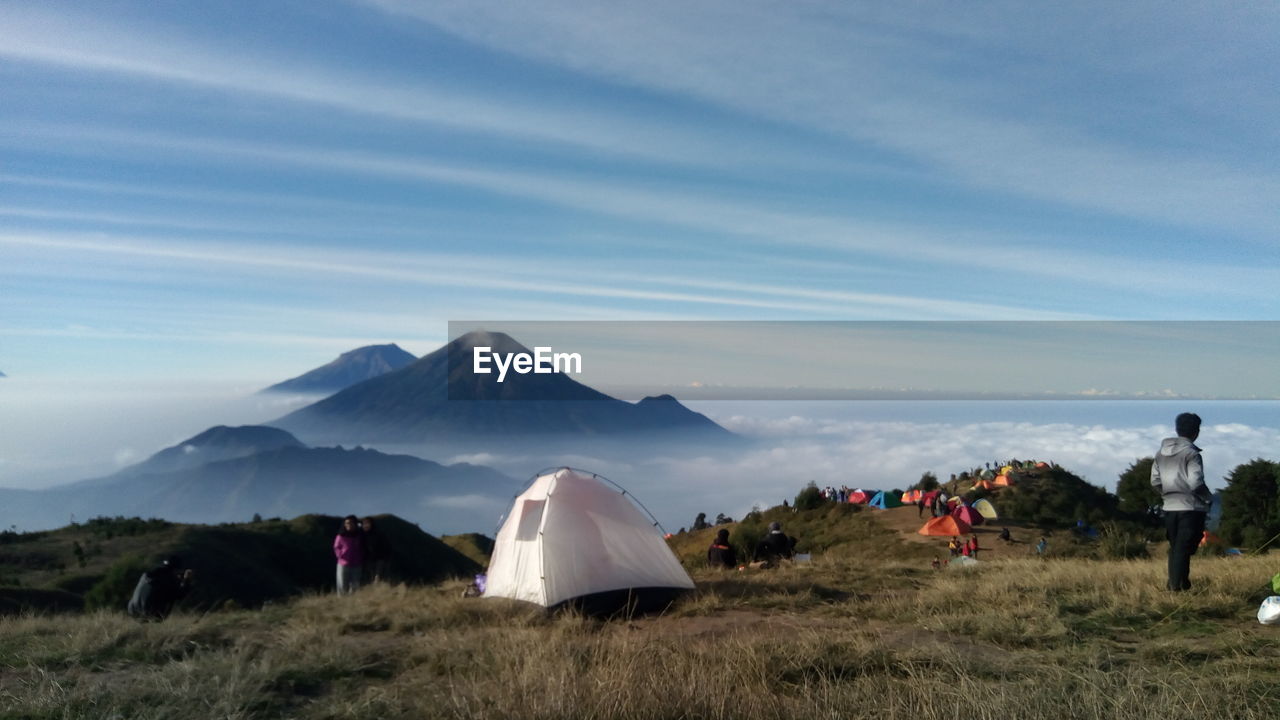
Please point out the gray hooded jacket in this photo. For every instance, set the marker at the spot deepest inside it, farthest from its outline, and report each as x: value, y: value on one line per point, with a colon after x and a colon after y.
x: 1178, y: 475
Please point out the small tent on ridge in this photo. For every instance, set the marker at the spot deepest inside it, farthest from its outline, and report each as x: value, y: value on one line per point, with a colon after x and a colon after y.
x: 575, y: 538
x: 1003, y: 481
x: 884, y: 501
x: 945, y: 526
x: 858, y: 497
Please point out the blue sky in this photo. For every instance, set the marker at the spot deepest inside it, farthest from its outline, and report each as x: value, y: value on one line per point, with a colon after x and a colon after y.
x: 241, y: 191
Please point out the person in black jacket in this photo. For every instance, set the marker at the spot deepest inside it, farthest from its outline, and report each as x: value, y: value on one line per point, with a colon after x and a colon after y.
x: 158, y: 589
x: 377, y: 552
x: 721, y: 553
x: 774, y: 545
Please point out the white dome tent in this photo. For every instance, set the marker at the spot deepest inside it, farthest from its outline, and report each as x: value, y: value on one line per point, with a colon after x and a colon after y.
x: 575, y: 538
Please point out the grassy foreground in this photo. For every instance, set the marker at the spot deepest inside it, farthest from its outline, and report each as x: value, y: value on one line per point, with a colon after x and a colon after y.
x: 1013, y: 639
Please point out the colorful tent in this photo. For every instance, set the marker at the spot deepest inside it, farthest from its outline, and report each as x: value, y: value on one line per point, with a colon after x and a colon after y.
x: 983, y: 485
x: 1209, y: 537
x: 1003, y: 481
x: 953, y: 500
x: 928, y: 498
x: 884, y: 501
x: 911, y: 497
x: 1042, y: 465
x: 945, y: 526
x: 988, y: 475
x: 859, y: 497
x: 1006, y: 469
x: 986, y: 509
x: 967, y: 514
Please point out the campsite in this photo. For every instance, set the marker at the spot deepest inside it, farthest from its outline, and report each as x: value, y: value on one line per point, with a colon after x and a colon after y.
x: 862, y: 627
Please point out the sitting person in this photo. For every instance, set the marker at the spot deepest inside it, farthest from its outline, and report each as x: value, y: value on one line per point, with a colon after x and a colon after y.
x: 775, y: 545
x: 721, y: 553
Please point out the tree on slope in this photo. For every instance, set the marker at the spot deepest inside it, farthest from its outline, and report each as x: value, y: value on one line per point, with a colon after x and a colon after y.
x: 1250, y: 512
x: 1136, y: 498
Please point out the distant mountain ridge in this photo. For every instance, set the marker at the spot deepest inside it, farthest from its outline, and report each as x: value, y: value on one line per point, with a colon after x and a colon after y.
x: 213, y: 445
x: 227, y: 474
x: 439, y: 396
x: 349, y: 368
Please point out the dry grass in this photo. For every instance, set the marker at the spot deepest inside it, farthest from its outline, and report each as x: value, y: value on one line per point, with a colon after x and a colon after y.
x: 1011, y: 639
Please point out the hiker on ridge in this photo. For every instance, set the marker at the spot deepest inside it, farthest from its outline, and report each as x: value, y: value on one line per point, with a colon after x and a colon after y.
x: 721, y: 553
x: 377, y: 552
x: 1178, y: 475
x: 159, y: 588
x: 348, y: 548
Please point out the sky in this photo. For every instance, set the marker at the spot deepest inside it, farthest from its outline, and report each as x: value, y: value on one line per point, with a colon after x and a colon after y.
x: 240, y: 191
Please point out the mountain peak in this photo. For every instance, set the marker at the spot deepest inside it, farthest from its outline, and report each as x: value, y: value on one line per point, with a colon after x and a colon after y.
x: 441, y: 397
x: 658, y: 399
x: 499, y: 342
x: 215, y: 444
x: 350, y: 368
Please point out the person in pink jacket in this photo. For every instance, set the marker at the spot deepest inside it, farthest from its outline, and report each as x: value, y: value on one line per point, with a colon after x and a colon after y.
x: 348, y: 547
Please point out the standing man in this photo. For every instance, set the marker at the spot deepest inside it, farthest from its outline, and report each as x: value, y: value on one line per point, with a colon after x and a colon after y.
x: 1178, y: 475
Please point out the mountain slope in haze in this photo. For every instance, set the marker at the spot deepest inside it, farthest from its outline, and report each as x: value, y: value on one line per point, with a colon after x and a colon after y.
x: 214, y: 445
x: 439, y: 396
x: 348, y: 369
x: 284, y: 481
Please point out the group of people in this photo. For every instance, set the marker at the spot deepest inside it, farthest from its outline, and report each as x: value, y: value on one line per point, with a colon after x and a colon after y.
x: 362, y: 552
x: 968, y: 548
x: 774, y: 546
x: 840, y: 494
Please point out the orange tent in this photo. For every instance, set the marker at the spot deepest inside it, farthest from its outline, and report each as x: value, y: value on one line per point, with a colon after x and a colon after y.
x: 1042, y: 465
x: 1209, y: 537
x: 1003, y: 481
x: 945, y: 526
x: 859, y: 497
x: 912, y: 496
x: 982, y: 485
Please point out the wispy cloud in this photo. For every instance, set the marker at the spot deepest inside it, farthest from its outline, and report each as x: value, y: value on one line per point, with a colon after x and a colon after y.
x: 473, y: 272
x: 701, y: 209
x: 76, y: 41
x: 895, y: 77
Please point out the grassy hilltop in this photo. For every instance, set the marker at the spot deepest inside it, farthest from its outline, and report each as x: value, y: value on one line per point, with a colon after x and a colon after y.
x: 96, y: 564
x: 866, y: 629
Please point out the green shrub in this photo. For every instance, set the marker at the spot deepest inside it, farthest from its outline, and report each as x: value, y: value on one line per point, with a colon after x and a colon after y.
x: 115, y: 588
x: 1118, y: 543
x: 810, y: 498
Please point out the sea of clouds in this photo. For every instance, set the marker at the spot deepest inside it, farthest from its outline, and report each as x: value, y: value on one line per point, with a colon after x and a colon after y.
x: 57, y: 434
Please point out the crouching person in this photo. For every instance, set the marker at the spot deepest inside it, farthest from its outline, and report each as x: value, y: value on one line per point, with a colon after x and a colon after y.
x: 159, y: 589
